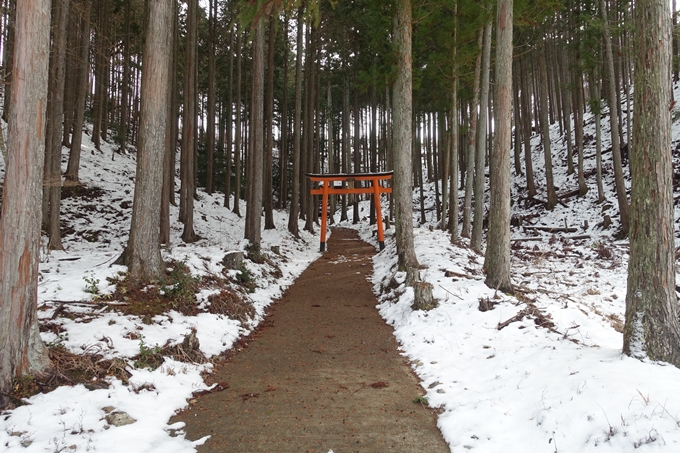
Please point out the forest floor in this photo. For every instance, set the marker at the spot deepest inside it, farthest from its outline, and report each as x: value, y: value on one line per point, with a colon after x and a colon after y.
x: 539, y: 371
x: 322, y: 373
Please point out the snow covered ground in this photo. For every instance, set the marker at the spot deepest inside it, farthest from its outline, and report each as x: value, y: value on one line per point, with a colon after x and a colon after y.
x: 554, y: 380
x: 74, y: 418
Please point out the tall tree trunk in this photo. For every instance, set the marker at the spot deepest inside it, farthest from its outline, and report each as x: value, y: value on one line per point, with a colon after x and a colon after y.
x: 472, y: 139
x: 526, y: 127
x: 268, y: 192
x: 21, y: 349
x: 614, y: 121
x: 72, y: 69
x: 55, y: 115
x: 597, y: 112
x: 125, y: 83
x: 254, y: 207
x: 310, y: 76
x: 566, y: 106
x: 373, y: 150
x: 676, y: 44
x: 228, y: 151
x: 295, y: 181
x: 317, y: 125
x: 497, y: 258
x: 143, y: 253
x: 283, y: 162
x: 517, y: 148
x: 480, y: 154
x: 170, y: 145
x: 445, y: 152
x: 578, y: 130
x: 545, y: 128
x: 454, y: 138
x: 237, y: 127
x: 210, y: 130
x: 102, y: 67
x: 345, y: 143
x: 403, y: 105
x: 652, y: 330
x: 357, y: 153
x: 331, y: 148
x: 389, y: 146
x: 418, y: 167
x: 188, y: 161
x: 7, y: 59
x: 432, y: 149
x: 80, y: 94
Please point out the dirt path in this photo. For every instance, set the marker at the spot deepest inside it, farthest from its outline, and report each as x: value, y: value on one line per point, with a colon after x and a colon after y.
x: 323, y: 374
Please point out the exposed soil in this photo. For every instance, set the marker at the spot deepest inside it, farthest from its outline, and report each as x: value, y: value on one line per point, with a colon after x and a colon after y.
x: 323, y: 373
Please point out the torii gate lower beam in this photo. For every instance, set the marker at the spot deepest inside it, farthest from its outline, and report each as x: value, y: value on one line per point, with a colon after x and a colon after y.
x: 327, y: 188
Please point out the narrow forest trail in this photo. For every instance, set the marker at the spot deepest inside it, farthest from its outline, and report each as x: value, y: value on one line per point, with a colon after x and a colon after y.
x: 323, y: 373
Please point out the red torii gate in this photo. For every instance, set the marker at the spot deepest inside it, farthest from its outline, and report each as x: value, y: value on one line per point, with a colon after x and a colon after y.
x: 327, y: 188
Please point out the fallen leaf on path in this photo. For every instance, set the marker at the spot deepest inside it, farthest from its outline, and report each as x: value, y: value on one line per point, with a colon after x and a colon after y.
x: 247, y: 396
x: 379, y: 385
x: 271, y: 388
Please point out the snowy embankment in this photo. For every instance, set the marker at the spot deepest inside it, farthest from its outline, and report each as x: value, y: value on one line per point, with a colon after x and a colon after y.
x: 542, y: 371
x: 96, y: 227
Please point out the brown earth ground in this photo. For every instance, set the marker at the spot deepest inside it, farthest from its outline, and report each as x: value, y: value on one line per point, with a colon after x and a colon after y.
x: 323, y: 373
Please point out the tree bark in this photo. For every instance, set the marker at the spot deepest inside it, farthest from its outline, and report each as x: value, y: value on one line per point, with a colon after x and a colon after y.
x: 331, y: 149
x: 254, y: 208
x: 651, y: 328
x: 453, y: 139
x: 267, y: 186
x: 472, y: 140
x: 212, y: 98
x: 188, y: 161
x: 402, y: 112
x: 578, y: 130
x: 497, y: 258
x: 283, y: 162
x: 545, y: 128
x: 80, y: 94
x: 517, y: 148
x: 55, y: 116
x: 125, y: 83
x: 170, y: 145
x: 566, y: 106
x: 100, y: 71
x: 526, y: 127
x: 345, y: 143
x: 8, y: 61
x: 295, y: 182
x: 210, y: 118
x: 228, y: 152
x: 357, y: 153
x: 480, y: 153
x: 237, y: 127
x: 72, y: 69
x: 614, y: 121
x: 21, y: 349
x: 143, y: 253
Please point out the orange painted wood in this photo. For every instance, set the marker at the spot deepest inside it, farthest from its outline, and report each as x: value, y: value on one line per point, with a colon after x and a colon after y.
x: 328, y: 188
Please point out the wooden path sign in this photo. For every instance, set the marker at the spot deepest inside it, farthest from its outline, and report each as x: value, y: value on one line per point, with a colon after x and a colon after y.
x: 327, y: 187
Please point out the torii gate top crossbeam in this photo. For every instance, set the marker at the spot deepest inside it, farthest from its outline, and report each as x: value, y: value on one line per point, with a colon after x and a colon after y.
x: 328, y: 188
